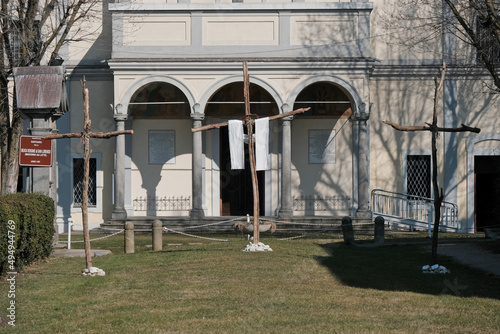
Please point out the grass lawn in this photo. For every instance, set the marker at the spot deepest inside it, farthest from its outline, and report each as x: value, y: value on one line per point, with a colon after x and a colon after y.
x: 313, y: 285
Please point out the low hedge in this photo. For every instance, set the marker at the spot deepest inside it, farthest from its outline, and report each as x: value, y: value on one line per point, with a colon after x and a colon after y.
x: 26, y: 229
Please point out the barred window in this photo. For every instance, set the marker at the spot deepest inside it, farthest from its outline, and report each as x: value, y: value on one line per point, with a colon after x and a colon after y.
x: 78, y: 182
x: 489, y: 43
x: 418, y: 181
x: 23, y: 46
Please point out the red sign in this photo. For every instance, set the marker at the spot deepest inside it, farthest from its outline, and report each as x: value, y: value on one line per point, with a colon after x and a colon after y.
x: 35, y: 151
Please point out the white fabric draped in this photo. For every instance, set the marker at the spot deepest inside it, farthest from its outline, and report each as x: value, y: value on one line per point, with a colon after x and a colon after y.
x: 262, y: 143
x: 236, y: 142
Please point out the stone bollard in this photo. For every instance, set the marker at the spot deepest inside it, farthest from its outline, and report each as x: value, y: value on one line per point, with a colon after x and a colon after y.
x: 157, y: 235
x: 129, y: 238
x: 348, y: 231
x: 379, y: 230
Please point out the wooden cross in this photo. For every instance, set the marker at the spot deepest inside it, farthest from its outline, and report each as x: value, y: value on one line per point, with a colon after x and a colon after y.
x: 435, y: 130
x: 249, y: 121
x: 86, y: 134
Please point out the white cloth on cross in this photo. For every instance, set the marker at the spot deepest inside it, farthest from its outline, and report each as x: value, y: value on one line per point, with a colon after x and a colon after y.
x: 236, y: 142
x: 262, y: 143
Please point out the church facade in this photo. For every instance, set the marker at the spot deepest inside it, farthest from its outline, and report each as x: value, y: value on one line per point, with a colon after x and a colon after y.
x: 164, y: 68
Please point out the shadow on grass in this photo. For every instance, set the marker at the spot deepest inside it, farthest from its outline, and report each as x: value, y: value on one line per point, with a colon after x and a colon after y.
x: 399, y: 268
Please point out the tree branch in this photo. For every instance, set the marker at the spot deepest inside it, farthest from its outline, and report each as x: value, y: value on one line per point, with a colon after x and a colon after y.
x: 430, y: 128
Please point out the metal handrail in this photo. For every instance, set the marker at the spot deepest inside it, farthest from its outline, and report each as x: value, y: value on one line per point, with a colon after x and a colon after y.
x: 410, y: 208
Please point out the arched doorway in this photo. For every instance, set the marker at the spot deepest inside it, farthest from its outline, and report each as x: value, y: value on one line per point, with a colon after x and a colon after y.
x: 236, y: 196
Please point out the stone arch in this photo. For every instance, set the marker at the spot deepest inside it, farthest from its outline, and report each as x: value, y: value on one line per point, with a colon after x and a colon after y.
x: 123, y: 105
x: 345, y: 86
x: 236, y: 78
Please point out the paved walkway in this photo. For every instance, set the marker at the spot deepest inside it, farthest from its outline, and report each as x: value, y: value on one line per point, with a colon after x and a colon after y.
x: 64, y: 252
x: 472, y: 255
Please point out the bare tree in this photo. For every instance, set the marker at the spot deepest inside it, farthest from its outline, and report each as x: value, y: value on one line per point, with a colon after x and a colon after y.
x: 435, y: 130
x: 419, y: 26
x: 32, y: 33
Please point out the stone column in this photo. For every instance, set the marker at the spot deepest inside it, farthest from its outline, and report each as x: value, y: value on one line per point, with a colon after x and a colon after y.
x: 363, y: 164
x: 43, y: 178
x: 119, y: 210
x: 197, y: 168
x: 286, y: 210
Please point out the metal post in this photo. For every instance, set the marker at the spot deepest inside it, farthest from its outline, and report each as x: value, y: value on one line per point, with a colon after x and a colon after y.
x: 429, y: 220
x: 70, y: 223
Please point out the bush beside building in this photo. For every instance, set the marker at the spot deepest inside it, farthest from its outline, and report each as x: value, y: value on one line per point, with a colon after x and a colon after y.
x: 30, y: 220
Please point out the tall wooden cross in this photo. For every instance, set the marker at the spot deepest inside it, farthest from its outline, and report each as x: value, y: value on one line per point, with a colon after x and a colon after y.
x: 248, y: 120
x: 86, y: 134
x: 435, y: 130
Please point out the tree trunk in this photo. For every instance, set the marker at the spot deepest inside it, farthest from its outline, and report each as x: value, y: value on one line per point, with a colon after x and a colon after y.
x: 9, y: 141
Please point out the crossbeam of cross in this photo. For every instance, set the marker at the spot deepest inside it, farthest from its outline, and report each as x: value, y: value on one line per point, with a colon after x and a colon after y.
x: 86, y: 134
x: 249, y: 122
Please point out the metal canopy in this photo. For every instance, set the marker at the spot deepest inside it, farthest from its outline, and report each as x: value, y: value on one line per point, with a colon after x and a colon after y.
x: 40, y: 88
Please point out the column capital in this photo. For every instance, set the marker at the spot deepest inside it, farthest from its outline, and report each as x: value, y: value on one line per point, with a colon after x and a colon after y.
x: 285, y: 107
x: 197, y: 116
x: 361, y: 113
x: 120, y: 113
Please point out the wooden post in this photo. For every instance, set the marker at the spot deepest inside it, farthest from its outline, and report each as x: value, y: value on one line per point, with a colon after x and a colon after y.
x: 86, y: 134
x: 251, y: 154
x: 248, y: 121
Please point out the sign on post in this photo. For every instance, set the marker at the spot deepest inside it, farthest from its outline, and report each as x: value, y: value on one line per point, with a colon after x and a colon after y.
x: 35, y: 152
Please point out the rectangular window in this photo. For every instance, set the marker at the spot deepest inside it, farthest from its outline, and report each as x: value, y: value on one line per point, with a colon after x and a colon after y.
x: 418, y: 180
x: 78, y: 182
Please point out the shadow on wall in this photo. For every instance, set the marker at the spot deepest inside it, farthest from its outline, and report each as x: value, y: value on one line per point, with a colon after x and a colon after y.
x: 325, y: 179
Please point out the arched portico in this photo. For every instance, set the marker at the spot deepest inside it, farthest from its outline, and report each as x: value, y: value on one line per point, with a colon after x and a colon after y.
x: 360, y: 143
x: 230, y: 193
x: 122, y: 189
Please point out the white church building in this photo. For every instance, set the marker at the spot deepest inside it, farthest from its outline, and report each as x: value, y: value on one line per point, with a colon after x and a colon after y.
x: 162, y: 68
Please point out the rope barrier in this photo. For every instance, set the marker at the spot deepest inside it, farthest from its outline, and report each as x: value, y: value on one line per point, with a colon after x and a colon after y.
x: 100, y: 238
x: 217, y: 223
x: 194, y: 236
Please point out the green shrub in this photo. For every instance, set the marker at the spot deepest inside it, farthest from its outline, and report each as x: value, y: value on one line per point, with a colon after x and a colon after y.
x: 30, y: 218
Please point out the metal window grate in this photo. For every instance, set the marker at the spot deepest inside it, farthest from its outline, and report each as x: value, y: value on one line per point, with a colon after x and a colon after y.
x: 418, y: 182
x: 78, y: 181
x: 488, y: 42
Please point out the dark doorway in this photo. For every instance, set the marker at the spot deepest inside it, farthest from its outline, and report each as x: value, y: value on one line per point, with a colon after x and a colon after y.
x: 487, y: 191
x: 236, y: 193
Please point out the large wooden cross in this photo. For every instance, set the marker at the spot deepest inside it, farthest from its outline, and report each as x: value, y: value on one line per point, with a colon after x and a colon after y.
x: 435, y: 130
x: 86, y: 134
x: 248, y: 120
